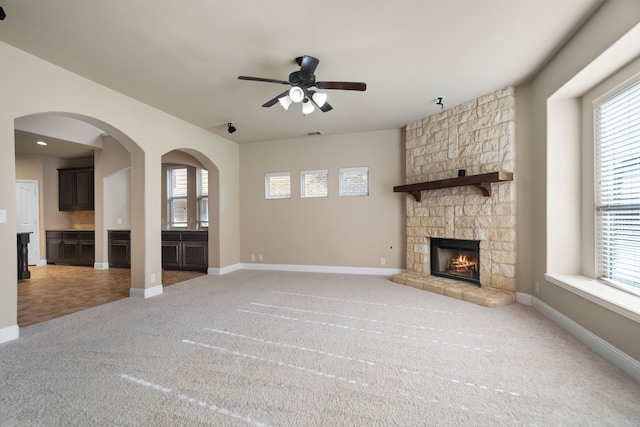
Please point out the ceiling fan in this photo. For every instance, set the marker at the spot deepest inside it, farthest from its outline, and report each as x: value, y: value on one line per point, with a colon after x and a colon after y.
x: 302, y: 89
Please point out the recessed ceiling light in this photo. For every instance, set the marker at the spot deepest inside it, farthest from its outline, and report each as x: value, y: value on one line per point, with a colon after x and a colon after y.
x: 41, y: 143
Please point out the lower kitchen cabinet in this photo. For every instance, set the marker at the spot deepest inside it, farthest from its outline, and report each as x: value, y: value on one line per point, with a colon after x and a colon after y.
x: 119, y: 248
x: 71, y: 247
x: 185, y: 250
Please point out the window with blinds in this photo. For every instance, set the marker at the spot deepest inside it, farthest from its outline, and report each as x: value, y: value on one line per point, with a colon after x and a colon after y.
x: 617, y: 141
x: 277, y: 185
x: 202, y: 198
x: 314, y: 183
x: 177, y: 197
x: 354, y: 182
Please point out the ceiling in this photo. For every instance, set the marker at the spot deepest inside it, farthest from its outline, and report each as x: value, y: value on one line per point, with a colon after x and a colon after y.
x: 184, y: 57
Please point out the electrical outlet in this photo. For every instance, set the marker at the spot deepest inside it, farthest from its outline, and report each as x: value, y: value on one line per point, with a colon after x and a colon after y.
x: 383, y: 261
x: 260, y: 257
x: 253, y: 257
x: 536, y: 287
x: 153, y: 278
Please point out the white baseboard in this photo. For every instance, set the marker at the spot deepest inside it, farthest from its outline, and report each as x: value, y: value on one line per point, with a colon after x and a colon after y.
x: 101, y: 265
x: 617, y: 357
x: 145, y: 292
x: 9, y: 333
x: 323, y: 269
x: 224, y: 270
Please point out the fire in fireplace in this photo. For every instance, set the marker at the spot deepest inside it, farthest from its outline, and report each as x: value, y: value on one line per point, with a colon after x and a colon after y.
x: 456, y: 259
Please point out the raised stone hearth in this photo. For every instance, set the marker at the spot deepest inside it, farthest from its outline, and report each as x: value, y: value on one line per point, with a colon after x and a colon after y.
x: 477, y: 137
x: 455, y: 289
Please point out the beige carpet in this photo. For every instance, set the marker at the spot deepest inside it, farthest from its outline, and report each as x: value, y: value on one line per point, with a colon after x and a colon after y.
x: 294, y: 349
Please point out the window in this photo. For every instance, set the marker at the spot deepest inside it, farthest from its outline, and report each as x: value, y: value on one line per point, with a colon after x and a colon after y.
x: 314, y: 183
x: 617, y: 140
x: 277, y: 185
x: 354, y: 181
x: 202, y: 198
x: 177, y: 197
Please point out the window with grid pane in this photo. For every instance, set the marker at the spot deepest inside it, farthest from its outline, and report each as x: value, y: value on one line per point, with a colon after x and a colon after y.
x: 617, y: 137
x: 314, y: 183
x: 354, y: 181
x: 202, y: 198
x: 277, y: 185
x: 177, y: 197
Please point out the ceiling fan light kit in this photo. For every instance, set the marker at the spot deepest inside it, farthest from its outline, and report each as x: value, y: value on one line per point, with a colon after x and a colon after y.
x: 296, y: 94
x: 307, y: 107
x: 301, y: 83
x: 285, y: 101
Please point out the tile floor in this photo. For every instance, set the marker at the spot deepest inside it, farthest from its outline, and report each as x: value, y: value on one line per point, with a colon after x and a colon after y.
x: 57, y: 290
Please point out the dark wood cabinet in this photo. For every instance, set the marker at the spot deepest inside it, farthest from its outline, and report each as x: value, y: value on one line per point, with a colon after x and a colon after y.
x: 185, y: 250
x: 75, y: 189
x: 119, y: 248
x: 181, y: 250
x: 71, y: 247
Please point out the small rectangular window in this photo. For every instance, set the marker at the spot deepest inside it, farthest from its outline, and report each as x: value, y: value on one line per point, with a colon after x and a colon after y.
x: 314, y: 183
x: 354, y: 181
x: 277, y: 185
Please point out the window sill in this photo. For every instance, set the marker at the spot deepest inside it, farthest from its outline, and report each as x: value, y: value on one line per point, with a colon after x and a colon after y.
x: 618, y: 301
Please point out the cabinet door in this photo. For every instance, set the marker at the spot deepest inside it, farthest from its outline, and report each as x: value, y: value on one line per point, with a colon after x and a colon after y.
x: 171, y: 255
x: 86, y: 252
x: 119, y: 249
x: 84, y: 189
x: 195, y: 256
x: 66, y: 184
x: 54, y: 250
x: 70, y: 253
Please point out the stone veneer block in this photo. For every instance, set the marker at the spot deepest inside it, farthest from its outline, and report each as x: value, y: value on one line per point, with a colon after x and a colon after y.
x: 415, y: 283
x: 488, y: 298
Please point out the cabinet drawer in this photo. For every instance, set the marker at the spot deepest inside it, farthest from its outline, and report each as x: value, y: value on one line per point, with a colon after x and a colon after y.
x: 171, y: 236
x: 195, y: 236
x: 54, y: 234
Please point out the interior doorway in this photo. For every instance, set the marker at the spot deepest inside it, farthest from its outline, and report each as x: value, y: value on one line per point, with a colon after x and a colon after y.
x: 28, y: 214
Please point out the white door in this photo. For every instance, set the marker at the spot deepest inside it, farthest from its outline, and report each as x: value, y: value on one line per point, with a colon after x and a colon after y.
x: 28, y: 212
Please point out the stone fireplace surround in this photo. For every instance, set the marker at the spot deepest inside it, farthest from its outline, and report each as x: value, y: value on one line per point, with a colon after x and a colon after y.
x: 478, y: 136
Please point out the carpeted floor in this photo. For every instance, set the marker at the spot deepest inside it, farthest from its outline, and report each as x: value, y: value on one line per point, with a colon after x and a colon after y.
x: 295, y: 349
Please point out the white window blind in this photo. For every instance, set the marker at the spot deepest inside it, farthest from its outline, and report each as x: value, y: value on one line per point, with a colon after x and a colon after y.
x: 314, y: 183
x: 354, y: 181
x: 202, y: 197
x: 277, y: 185
x: 177, y: 197
x: 617, y: 138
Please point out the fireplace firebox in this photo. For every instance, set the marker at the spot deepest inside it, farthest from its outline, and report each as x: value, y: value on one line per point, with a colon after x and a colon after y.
x: 456, y: 259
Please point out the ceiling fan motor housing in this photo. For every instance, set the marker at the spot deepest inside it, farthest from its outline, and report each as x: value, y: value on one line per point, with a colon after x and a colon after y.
x: 296, y: 80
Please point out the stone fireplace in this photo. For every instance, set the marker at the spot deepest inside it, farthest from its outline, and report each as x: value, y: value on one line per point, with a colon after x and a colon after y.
x: 445, y: 153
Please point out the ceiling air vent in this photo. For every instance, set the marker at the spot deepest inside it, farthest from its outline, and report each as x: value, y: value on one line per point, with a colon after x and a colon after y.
x: 312, y: 134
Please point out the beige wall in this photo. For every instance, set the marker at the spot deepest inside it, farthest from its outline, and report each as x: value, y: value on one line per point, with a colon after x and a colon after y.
x: 332, y: 231
x: 35, y: 86
x: 548, y: 188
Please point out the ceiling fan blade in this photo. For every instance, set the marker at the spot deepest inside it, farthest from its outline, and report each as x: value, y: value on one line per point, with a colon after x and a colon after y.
x: 260, y: 79
x: 342, y: 85
x: 308, y: 66
x: 274, y: 101
x: 325, y: 107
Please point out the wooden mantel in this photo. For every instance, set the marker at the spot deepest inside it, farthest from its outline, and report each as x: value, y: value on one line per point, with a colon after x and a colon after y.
x: 482, y: 181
